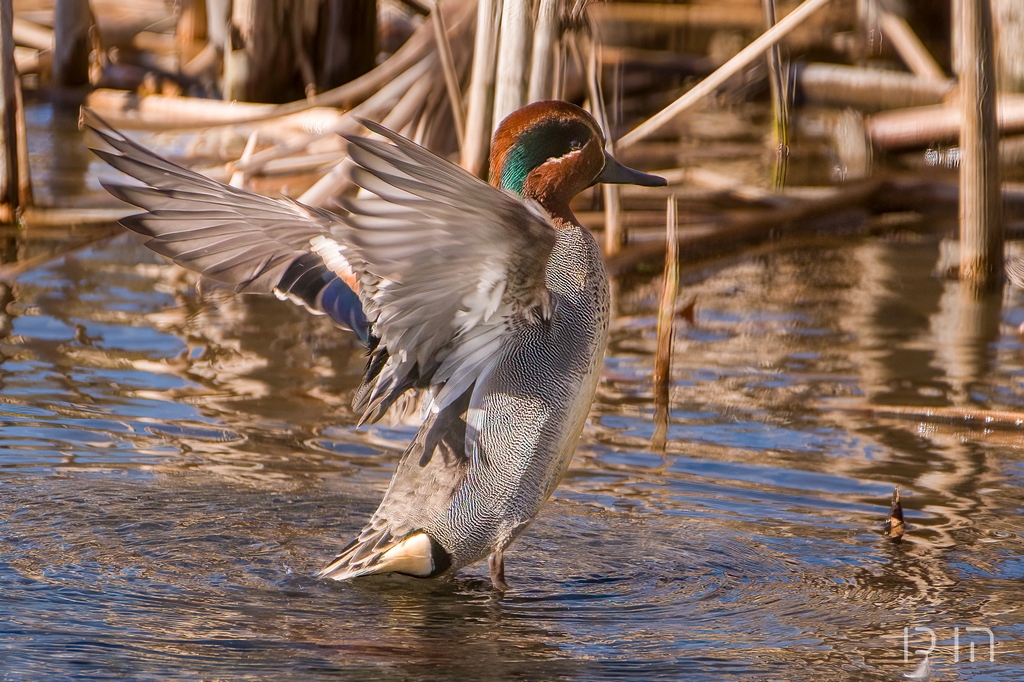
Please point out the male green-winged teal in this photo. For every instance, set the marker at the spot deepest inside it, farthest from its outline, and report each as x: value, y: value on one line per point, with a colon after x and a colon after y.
x: 492, y: 299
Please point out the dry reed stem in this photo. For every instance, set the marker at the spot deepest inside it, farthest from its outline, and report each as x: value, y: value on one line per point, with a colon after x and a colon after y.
x: 614, y: 233
x: 41, y: 217
x: 375, y: 107
x: 666, y: 328
x: 749, y: 229
x: 514, y: 48
x: 745, y: 57
x: 480, y: 108
x: 908, y: 46
x: 25, y: 197
x: 155, y: 112
x: 721, y: 16
x: 780, y: 105
x: 402, y: 114
x: 451, y: 76
x: 26, y: 59
x: 545, y: 52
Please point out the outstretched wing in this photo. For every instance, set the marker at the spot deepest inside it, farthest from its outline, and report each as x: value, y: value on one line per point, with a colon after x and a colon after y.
x: 449, y: 264
x: 229, y: 235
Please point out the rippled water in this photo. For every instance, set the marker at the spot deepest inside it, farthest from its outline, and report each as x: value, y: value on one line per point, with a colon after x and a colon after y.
x: 174, y: 467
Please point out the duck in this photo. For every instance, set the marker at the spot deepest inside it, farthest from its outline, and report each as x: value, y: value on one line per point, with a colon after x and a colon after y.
x: 489, y: 300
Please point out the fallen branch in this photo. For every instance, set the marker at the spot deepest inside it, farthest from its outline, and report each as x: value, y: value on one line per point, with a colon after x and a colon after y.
x: 920, y: 126
x: 870, y: 89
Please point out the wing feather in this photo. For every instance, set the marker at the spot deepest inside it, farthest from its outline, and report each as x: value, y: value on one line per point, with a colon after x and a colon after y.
x: 229, y: 235
x: 453, y: 261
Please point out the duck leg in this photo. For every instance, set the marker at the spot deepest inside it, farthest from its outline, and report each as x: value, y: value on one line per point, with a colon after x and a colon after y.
x: 496, y: 562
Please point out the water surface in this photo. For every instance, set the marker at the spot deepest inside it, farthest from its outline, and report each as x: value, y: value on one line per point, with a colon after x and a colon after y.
x: 175, y: 466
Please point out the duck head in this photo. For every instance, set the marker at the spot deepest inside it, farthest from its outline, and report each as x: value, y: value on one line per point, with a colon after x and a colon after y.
x: 551, y: 151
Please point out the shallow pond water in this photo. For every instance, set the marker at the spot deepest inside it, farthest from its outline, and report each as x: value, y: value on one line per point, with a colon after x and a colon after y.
x: 175, y: 466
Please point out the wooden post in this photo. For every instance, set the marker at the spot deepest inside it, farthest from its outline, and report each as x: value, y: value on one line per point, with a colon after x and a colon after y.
x: 981, y: 229
x: 8, y: 117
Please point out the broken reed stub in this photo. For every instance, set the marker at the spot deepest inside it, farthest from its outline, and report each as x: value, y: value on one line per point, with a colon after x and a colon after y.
x: 894, y: 525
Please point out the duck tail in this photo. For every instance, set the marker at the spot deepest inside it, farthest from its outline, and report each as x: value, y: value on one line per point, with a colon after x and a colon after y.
x: 375, y: 551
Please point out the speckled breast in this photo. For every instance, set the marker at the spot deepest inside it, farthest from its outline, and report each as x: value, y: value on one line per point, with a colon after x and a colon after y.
x: 526, y: 415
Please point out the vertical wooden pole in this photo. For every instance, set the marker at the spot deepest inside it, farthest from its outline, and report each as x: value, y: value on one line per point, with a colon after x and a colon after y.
x: 476, y: 144
x: 981, y: 229
x: 8, y: 117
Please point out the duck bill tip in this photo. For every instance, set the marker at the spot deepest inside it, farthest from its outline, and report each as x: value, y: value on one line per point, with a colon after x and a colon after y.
x: 615, y: 173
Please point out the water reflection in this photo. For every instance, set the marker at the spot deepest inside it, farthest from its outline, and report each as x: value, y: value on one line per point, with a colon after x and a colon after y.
x: 174, y: 466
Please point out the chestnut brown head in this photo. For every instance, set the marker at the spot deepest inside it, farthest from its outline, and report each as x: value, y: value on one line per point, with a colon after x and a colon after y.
x: 551, y: 151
